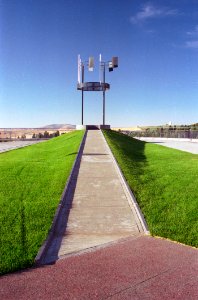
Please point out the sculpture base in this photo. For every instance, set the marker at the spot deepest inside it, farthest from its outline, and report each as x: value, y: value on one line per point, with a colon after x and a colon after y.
x: 92, y: 127
x: 105, y: 126
x: 81, y: 127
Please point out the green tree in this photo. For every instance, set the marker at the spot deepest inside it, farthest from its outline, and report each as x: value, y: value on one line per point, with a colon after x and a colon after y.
x: 46, y: 134
x: 57, y: 133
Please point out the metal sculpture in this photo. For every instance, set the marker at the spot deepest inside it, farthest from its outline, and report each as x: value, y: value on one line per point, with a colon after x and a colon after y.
x: 94, y: 86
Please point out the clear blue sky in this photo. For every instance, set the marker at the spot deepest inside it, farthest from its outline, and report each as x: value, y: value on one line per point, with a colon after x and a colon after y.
x: 156, y: 42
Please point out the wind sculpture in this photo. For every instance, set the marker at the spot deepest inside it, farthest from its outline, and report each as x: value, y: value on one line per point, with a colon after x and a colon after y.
x: 100, y: 85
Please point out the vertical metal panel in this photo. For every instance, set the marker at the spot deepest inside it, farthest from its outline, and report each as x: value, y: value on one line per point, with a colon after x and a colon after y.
x: 79, y: 68
x: 114, y: 61
x: 91, y: 63
x: 110, y: 66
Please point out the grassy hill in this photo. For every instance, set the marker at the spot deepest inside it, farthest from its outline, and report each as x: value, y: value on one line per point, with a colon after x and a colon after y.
x: 32, y: 181
x: 165, y: 184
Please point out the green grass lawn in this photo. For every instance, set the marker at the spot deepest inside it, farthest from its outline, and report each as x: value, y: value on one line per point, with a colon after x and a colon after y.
x: 165, y: 184
x: 32, y: 181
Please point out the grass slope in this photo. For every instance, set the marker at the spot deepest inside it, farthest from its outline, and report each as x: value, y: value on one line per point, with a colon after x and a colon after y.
x: 165, y: 184
x: 32, y: 181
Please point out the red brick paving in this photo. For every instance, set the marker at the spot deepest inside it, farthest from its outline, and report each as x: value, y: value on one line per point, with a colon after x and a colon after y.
x: 134, y: 268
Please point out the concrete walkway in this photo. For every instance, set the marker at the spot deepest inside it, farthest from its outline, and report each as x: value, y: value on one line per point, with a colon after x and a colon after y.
x: 179, y: 144
x: 98, y: 210
x: 8, y: 146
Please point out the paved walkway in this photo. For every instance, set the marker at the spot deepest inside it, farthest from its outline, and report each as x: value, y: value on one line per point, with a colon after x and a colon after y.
x: 136, y: 268
x: 99, y: 210
x: 180, y: 144
x: 7, y: 146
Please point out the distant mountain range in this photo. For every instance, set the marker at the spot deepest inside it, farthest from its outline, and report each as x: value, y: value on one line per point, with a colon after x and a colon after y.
x: 59, y: 126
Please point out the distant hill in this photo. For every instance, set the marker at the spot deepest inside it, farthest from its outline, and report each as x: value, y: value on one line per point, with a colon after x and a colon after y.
x: 59, y: 126
x: 134, y: 128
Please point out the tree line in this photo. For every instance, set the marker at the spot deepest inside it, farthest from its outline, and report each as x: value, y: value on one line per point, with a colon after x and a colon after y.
x: 45, y: 135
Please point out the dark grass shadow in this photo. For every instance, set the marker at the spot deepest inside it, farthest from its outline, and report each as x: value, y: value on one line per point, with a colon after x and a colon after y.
x: 23, y: 229
x: 73, y: 153
x: 129, y: 152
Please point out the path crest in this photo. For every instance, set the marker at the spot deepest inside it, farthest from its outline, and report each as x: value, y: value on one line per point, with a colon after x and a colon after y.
x: 98, y: 211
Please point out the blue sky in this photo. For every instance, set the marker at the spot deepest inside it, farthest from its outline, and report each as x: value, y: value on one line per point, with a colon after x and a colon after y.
x: 156, y: 42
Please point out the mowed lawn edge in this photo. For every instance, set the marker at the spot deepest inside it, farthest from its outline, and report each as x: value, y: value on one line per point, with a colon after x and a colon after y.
x: 32, y: 182
x: 165, y: 184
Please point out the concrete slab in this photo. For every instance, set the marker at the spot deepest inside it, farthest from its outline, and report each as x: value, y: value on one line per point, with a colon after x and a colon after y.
x: 93, y: 201
x: 97, y: 210
x: 89, y: 241
x: 108, y: 220
x: 96, y: 158
x: 102, y: 187
x: 101, y: 169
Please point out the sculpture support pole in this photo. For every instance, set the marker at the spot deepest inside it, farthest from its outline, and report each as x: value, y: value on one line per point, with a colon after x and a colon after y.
x: 103, y: 107
x: 104, y: 96
x: 82, y: 106
x: 82, y: 93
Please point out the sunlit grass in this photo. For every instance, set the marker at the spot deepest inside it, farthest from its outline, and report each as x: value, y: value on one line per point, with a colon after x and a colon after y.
x: 165, y: 184
x: 32, y: 181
